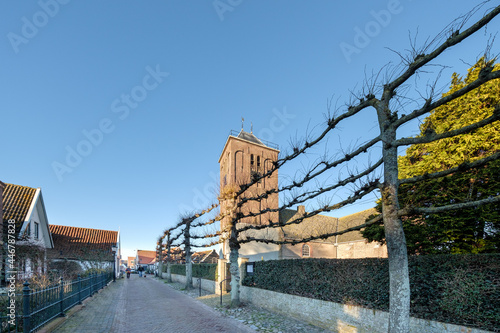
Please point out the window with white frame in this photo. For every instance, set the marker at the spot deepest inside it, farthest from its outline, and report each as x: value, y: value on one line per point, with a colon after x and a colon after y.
x: 36, y: 226
x: 306, y: 251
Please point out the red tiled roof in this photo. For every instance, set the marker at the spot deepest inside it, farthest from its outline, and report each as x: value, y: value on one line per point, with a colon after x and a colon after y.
x: 145, y: 256
x: 17, y: 201
x: 82, y: 243
x: 204, y: 256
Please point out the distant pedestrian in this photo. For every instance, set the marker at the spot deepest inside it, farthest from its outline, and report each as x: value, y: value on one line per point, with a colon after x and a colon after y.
x: 140, y: 270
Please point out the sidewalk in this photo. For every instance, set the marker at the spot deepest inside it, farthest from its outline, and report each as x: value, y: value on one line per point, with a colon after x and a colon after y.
x: 146, y: 305
x: 258, y: 319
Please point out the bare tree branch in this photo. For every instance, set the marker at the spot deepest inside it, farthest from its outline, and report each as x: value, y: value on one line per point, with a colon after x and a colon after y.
x: 432, y: 136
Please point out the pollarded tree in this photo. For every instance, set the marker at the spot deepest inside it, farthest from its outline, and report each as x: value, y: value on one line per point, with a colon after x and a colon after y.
x: 385, y: 96
x: 467, y: 230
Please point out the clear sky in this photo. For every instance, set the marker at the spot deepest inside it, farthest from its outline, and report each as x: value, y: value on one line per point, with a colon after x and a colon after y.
x: 119, y: 110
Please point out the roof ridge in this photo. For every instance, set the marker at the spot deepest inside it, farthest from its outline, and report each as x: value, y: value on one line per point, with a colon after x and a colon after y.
x: 69, y: 226
x: 362, y: 211
x: 34, y: 188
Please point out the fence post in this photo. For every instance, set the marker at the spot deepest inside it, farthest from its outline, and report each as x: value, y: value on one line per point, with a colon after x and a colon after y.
x: 61, y: 296
x: 91, y: 280
x: 26, y: 308
x: 79, y: 289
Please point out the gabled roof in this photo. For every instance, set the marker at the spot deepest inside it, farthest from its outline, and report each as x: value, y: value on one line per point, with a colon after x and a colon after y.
x: 202, y: 256
x: 145, y: 257
x: 21, y: 203
x: 321, y: 224
x: 17, y: 201
x: 353, y: 220
x: 82, y: 243
x: 313, y: 226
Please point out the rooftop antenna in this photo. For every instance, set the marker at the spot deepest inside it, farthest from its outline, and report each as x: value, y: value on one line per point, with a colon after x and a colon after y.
x: 242, y: 120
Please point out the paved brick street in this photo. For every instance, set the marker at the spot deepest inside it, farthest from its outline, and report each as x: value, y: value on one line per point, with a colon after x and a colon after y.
x: 147, y: 305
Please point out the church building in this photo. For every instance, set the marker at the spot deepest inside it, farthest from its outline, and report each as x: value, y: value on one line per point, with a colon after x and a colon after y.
x: 245, y: 157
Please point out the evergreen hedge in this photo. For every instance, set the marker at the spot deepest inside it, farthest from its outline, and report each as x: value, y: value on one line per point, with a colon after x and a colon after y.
x: 458, y: 289
x: 205, y: 271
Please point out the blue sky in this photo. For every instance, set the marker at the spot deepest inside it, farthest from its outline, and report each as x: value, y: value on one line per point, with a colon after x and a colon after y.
x: 146, y: 93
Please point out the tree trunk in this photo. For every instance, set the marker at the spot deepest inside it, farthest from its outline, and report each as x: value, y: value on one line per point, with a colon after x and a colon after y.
x: 235, y: 278
x: 399, y: 301
x: 160, y: 262
x: 189, y: 271
x: 169, y: 273
x: 187, y: 248
x: 233, y: 267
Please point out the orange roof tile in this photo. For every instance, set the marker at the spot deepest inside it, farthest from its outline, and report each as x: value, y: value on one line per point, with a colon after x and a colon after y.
x: 145, y: 256
x: 82, y: 243
x: 17, y: 201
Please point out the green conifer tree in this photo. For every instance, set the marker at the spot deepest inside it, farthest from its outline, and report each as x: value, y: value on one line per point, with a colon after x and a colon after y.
x: 471, y: 230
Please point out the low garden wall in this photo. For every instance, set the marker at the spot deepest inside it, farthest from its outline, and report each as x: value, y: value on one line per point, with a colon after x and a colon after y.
x: 339, y: 317
x: 207, y: 285
x: 462, y: 290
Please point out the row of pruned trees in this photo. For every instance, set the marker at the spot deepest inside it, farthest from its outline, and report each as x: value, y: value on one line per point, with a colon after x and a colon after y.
x: 393, y: 95
x: 189, y: 232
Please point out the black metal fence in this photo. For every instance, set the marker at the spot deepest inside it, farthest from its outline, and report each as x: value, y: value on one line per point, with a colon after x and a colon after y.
x: 29, y: 311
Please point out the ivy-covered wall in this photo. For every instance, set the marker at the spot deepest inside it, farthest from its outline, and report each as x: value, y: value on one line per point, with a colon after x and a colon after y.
x: 205, y: 271
x: 457, y: 289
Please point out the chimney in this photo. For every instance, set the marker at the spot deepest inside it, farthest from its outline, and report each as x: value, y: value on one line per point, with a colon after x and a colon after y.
x: 301, y: 209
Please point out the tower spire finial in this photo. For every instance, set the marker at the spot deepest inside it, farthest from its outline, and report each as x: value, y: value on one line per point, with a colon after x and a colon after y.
x: 251, y: 127
x: 242, y: 121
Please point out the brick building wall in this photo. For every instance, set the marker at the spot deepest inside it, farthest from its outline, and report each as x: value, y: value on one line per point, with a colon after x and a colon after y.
x: 240, y: 158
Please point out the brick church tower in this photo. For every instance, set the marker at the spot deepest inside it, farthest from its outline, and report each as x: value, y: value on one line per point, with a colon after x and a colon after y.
x: 244, y: 156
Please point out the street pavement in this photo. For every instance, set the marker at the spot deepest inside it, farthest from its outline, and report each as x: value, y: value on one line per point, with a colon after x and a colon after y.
x: 147, y: 305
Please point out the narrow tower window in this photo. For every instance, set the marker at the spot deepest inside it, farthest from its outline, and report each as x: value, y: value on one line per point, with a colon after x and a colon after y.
x: 306, y: 251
